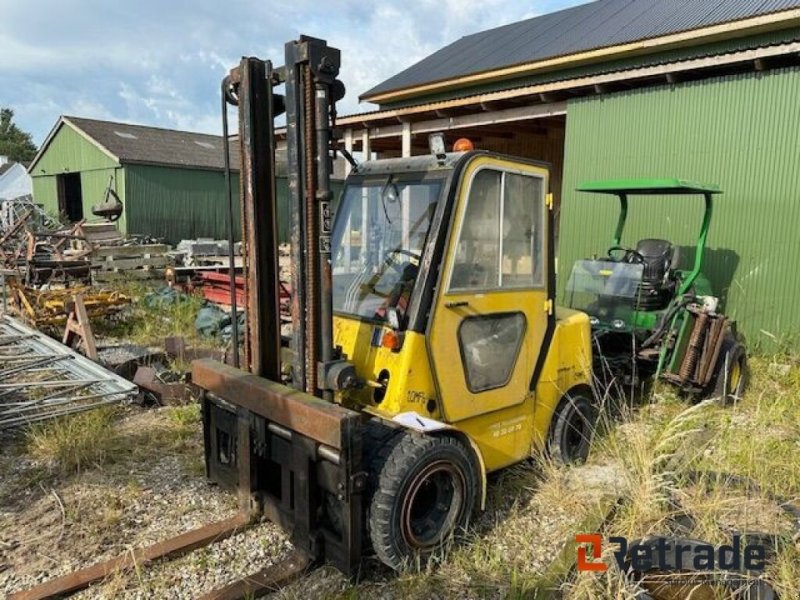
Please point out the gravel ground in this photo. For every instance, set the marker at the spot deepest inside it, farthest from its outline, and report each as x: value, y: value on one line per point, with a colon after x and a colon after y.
x: 51, y: 525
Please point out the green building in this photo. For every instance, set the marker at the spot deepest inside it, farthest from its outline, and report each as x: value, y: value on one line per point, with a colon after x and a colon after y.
x: 171, y: 183
x: 706, y: 90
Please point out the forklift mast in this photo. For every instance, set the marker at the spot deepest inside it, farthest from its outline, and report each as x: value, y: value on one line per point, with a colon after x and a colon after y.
x: 311, y: 91
x: 291, y: 455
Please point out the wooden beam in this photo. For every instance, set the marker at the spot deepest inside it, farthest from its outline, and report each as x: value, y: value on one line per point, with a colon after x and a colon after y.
x: 406, y: 140
x: 509, y: 115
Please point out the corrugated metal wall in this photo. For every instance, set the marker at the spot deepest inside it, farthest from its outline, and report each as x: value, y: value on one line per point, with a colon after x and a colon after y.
x: 740, y: 132
x: 178, y: 204
x: 70, y: 152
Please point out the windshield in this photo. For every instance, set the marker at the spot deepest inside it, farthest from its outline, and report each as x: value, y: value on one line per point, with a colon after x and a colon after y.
x: 605, y: 290
x: 378, y: 240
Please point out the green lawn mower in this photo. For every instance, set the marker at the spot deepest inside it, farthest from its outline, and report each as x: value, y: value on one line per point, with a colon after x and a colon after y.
x: 651, y: 318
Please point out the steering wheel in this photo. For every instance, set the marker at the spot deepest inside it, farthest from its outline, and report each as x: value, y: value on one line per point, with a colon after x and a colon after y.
x: 631, y: 256
x: 398, y: 265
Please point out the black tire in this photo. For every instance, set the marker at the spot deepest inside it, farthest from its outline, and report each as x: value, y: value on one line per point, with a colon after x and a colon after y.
x: 572, y: 428
x: 422, y: 492
x: 731, y: 377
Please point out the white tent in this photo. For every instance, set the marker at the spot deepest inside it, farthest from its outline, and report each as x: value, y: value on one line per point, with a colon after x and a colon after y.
x: 14, y: 181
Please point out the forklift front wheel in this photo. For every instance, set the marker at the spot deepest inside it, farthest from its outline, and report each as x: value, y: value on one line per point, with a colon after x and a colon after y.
x: 425, y: 489
x: 572, y: 428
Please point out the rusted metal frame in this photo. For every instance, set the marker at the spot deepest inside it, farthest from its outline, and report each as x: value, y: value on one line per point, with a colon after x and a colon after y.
x: 293, y: 474
x: 311, y: 235
x: 181, y: 544
x: 262, y: 582
x: 347, y: 557
x: 226, y: 97
x: 713, y: 347
x: 289, y: 408
x: 259, y: 205
x: 56, y: 367
x: 16, y: 227
x: 295, y: 177
x: 308, y: 474
x: 35, y: 364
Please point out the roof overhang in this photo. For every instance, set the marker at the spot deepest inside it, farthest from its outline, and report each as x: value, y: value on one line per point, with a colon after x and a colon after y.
x: 544, y: 99
x: 704, y: 35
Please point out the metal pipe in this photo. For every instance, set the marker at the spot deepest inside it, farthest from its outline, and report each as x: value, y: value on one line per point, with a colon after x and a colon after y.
x: 226, y: 152
x: 281, y: 432
x: 687, y: 283
x: 329, y: 454
x: 623, y: 216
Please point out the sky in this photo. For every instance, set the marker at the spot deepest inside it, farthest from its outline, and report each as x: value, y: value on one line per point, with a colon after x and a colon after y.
x: 160, y: 63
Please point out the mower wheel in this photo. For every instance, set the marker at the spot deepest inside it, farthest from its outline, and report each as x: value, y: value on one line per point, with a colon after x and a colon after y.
x: 422, y: 492
x: 572, y: 428
x: 731, y: 377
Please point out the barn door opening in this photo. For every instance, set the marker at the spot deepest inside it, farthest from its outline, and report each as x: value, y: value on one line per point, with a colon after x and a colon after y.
x: 70, y: 197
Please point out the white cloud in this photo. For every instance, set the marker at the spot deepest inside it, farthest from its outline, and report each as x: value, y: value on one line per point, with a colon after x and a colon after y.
x: 160, y: 63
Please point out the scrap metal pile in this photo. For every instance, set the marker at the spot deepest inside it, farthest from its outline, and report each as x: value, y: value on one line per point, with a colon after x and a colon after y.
x: 42, y: 379
x: 53, y: 306
x: 43, y: 251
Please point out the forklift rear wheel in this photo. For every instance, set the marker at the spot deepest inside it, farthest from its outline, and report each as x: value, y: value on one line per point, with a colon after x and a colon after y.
x: 423, y: 494
x: 731, y: 372
x: 572, y: 428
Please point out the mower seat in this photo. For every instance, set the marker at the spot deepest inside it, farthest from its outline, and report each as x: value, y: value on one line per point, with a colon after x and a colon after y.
x: 659, y: 258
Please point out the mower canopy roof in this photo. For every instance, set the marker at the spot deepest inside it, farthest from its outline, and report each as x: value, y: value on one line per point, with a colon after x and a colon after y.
x: 648, y: 187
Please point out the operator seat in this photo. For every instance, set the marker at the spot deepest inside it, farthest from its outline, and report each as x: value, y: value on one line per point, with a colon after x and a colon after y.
x: 659, y: 258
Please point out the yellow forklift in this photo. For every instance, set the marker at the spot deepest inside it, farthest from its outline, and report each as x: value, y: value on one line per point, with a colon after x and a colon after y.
x: 426, y: 350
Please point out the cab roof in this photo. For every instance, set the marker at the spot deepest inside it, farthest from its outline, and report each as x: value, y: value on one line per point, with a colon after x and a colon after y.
x: 648, y: 187
x: 411, y: 164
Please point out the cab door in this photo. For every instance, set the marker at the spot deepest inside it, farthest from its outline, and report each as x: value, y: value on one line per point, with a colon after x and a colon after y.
x: 491, y: 312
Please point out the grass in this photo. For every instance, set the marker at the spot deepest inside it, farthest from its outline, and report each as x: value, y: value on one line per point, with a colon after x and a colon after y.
x: 75, y: 442
x: 666, y: 459
x: 674, y: 466
x: 681, y: 460
x: 147, y: 323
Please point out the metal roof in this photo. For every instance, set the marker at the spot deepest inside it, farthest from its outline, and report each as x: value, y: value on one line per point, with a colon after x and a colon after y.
x: 591, y: 26
x: 648, y: 187
x: 156, y: 146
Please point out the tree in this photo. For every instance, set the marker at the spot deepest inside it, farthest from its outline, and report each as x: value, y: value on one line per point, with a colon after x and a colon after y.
x: 16, y: 144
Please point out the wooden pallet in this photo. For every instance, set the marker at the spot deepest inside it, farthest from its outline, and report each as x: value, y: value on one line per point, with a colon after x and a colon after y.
x: 140, y: 261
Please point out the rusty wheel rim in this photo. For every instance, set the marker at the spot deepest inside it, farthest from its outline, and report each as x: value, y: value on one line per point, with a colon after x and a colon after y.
x: 433, y: 505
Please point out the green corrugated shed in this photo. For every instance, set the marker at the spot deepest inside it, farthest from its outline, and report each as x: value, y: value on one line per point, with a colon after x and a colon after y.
x: 171, y: 183
x: 184, y: 204
x: 71, y: 152
x: 740, y: 132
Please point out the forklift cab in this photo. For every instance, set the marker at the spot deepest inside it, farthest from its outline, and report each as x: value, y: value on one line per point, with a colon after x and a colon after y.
x: 443, y: 293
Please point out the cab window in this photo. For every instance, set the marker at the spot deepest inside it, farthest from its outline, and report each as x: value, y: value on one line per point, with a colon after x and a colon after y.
x: 501, y: 239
